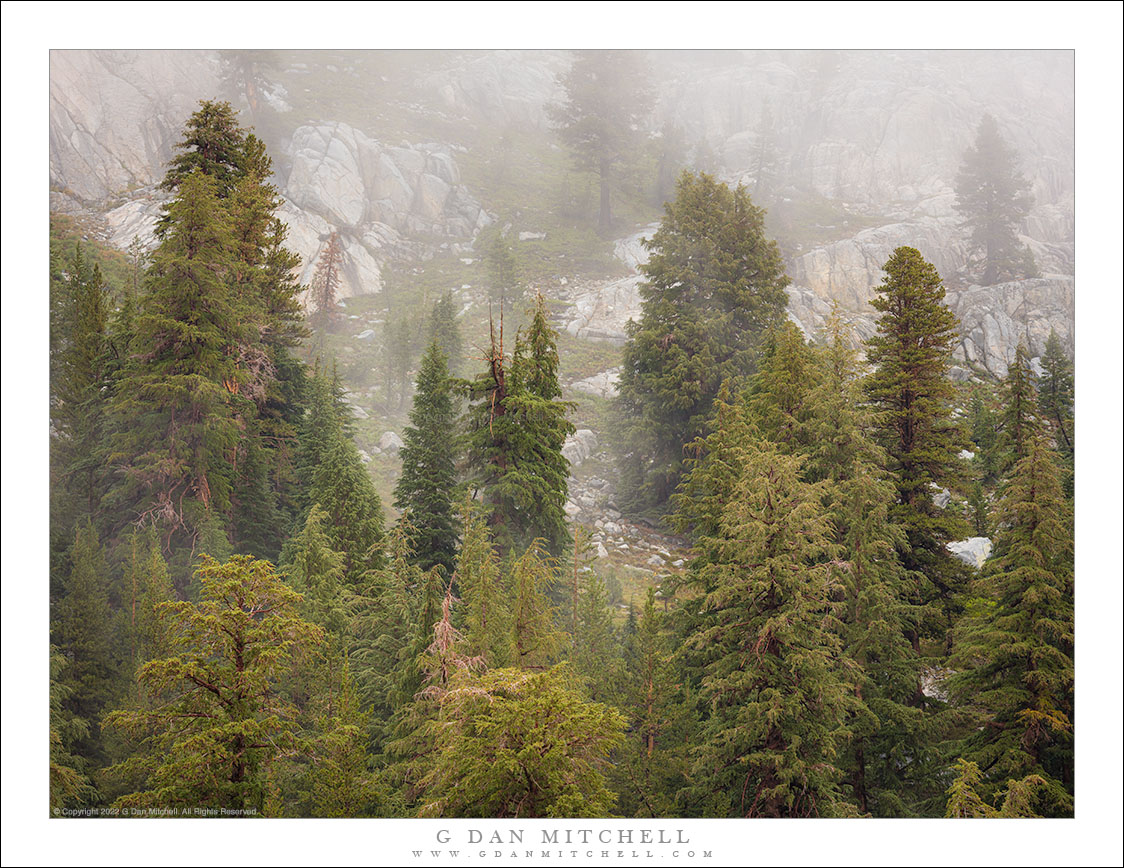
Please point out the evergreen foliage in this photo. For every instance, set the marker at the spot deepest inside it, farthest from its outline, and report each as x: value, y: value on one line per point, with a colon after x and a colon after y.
x: 994, y: 198
x: 222, y: 722
x: 607, y: 100
x: 427, y: 485
x: 912, y: 396
x: 713, y: 286
x: 1016, y: 656
x: 521, y: 744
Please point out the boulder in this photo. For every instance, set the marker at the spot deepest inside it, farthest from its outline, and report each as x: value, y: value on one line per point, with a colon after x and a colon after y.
x: 602, y: 385
x: 579, y: 446
x: 390, y: 443
x: 973, y: 551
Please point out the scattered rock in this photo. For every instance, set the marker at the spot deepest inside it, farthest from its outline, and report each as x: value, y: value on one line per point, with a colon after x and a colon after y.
x: 941, y: 497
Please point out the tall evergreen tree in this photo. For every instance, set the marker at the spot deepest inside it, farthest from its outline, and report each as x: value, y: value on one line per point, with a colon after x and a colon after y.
x: 213, y: 144
x: 177, y: 402
x: 1055, y: 393
x: 326, y: 283
x: 607, y: 100
x: 485, y: 594
x: 427, y: 485
x: 764, y: 641
x: 994, y: 198
x: 80, y: 381
x: 713, y: 285
x: 85, y: 633
x: 521, y: 744
x: 222, y: 721
x: 912, y: 395
x: 535, y: 641
x: 1019, y: 421
x: 517, y: 428
x: 505, y: 285
x: 891, y: 757
x: 1016, y: 657
x: 780, y: 392
x: 333, y: 476
x: 445, y: 328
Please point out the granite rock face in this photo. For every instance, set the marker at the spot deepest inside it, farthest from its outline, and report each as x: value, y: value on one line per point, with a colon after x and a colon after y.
x: 115, y: 115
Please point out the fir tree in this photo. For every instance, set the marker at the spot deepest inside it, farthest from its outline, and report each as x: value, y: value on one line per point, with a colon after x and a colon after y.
x: 445, y: 328
x: 520, y: 744
x: 1055, y: 393
x: 891, y: 756
x: 994, y: 198
x: 535, y: 641
x: 504, y: 283
x: 764, y: 640
x: 85, y: 634
x: 713, y: 285
x: 341, y: 783
x: 779, y: 392
x: 325, y: 284
x: 487, y: 615
x: 1019, y: 422
x: 80, y: 380
x: 912, y: 396
x: 427, y: 485
x: 1017, y: 656
x: 214, y: 145
x: 606, y: 101
x: 222, y: 722
x: 517, y: 429
x: 176, y: 403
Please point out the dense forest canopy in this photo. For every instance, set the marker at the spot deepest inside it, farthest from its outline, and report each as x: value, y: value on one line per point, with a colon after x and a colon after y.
x: 240, y: 621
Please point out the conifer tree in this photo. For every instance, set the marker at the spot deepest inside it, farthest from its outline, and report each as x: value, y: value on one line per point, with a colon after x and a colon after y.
x: 316, y: 571
x: 445, y: 328
x: 912, y: 396
x: 214, y: 145
x: 779, y: 392
x: 382, y: 630
x: 68, y: 784
x: 765, y: 642
x: 85, y: 634
x: 596, y: 652
x: 1056, y: 389
x: 325, y: 284
x: 517, y: 428
x: 1019, y: 420
x: 652, y: 763
x: 520, y: 744
x: 341, y: 783
x: 333, y: 476
x: 994, y: 198
x: 713, y: 285
x: 484, y: 592
x: 892, y: 755
x: 222, y: 722
x: 80, y: 380
x: 535, y: 641
x: 505, y: 285
x: 606, y: 101
x: 1016, y: 658
x: 177, y: 401
x: 427, y: 485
